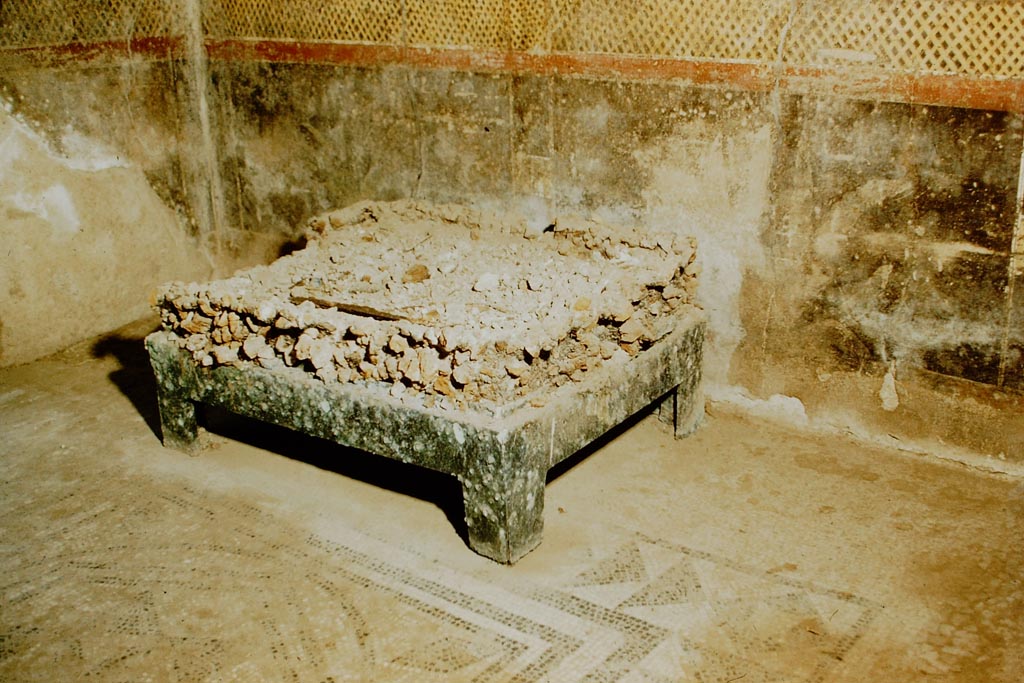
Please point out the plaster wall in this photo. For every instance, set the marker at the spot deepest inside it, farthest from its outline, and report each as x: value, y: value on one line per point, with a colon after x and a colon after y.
x: 890, y: 304
x: 96, y: 203
x: 862, y: 254
x: 297, y: 139
x: 856, y: 254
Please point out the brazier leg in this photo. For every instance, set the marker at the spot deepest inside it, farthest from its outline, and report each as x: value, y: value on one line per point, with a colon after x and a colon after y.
x: 177, y: 421
x: 683, y: 408
x: 177, y: 411
x: 504, y: 508
x: 689, y: 409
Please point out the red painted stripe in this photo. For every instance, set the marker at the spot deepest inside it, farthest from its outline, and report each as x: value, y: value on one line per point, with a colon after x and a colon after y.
x: 742, y: 75
x: 963, y: 91
x: 166, y: 47
x: 745, y: 76
x: 952, y: 90
x: 947, y: 90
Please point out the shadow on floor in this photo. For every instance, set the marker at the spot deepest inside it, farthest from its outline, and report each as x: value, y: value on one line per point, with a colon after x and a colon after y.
x: 136, y: 381
x: 135, y: 376
x: 441, y: 489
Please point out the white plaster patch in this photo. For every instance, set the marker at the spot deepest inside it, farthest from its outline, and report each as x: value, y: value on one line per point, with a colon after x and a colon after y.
x: 12, y: 395
x: 86, y: 238
x: 594, y: 118
x: 80, y: 153
x: 715, y: 188
x: 54, y: 205
x: 941, y: 252
x: 903, y: 333
x: 536, y: 212
x: 830, y: 245
x: 86, y: 154
x: 777, y: 407
x: 890, y: 399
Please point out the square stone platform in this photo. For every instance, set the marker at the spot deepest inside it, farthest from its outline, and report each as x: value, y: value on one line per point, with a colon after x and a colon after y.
x: 437, y: 337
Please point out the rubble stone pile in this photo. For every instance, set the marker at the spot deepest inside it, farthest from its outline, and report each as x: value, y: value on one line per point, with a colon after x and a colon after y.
x: 447, y: 303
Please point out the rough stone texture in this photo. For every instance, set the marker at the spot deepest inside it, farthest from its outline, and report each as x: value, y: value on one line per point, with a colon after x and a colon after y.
x: 501, y: 460
x: 522, y: 299
x: 453, y: 304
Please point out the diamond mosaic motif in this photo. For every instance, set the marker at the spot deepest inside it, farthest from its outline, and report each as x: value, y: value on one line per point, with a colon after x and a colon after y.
x: 965, y: 37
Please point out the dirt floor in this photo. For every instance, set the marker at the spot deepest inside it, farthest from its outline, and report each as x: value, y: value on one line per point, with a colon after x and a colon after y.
x: 745, y: 552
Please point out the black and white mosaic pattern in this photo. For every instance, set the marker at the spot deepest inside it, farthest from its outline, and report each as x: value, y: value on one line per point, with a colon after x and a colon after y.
x: 115, y: 577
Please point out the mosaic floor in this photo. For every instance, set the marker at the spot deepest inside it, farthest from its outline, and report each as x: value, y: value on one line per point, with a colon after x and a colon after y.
x: 744, y: 553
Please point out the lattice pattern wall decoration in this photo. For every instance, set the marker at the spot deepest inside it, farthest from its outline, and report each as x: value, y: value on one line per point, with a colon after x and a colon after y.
x: 969, y: 37
x: 348, y: 21
x: 747, y: 31
x: 480, y: 24
x: 33, y: 23
x: 966, y: 37
x: 976, y: 37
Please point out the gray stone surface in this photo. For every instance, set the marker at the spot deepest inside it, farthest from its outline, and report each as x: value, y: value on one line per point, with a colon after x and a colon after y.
x: 500, y: 457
